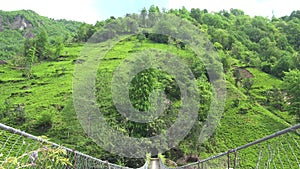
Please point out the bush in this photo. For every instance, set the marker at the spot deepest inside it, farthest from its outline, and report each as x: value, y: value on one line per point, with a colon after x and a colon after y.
x: 159, y: 38
x: 44, y: 122
x: 14, y: 114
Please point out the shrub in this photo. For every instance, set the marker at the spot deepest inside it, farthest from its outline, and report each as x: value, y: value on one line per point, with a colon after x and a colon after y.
x: 44, y: 122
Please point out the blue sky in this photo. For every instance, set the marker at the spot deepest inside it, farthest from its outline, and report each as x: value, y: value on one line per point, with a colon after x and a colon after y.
x: 92, y: 10
x: 120, y: 7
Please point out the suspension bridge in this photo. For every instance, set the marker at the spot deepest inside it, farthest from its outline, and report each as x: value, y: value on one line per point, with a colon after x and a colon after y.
x: 19, y: 149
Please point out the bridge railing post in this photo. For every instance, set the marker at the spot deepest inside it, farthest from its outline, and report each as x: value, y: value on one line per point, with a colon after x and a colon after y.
x: 235, y: 158
x: 228, y: 159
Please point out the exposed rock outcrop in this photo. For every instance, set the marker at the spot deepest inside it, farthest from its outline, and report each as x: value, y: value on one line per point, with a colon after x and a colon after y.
x: 3, y: 62
x: 20, y: 23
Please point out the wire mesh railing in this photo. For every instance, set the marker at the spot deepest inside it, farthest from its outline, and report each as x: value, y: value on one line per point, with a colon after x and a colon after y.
x: 280, y: 150
x: 22, y: 150
x: 19, y: 149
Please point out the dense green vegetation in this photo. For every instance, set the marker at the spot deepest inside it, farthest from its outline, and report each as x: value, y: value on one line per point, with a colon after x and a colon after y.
x: 17, y: 26
x: 260, y: 58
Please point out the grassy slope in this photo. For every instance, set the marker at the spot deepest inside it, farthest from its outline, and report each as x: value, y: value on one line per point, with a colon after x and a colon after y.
x: 50, y: 92
x: 249, y: 120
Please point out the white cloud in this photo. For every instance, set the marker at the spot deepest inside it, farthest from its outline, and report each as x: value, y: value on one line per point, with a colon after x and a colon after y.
x: 80, y: 10
x: 251, y: 7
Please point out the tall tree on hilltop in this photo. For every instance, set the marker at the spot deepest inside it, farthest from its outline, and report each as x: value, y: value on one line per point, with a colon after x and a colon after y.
x: 143, y: 17
x: 153, y: 15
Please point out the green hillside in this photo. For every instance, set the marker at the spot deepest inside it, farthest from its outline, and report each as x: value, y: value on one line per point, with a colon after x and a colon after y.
x: 16, y: 26
x: 259, y: 57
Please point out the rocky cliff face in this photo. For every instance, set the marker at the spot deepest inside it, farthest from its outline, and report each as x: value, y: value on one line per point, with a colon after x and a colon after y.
x: 21, y: 23
x: 18, y: 23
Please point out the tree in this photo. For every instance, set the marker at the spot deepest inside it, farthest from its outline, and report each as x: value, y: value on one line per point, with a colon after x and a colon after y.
x: 296, y: 60
x: 30, y: 52
x: 131, y: 25
x: 85, y: 31
x: 295, y: 14
x: 42, y: 44
x: 153, y: 15
x: 281, y: 42
x: 28, y: 45
x: 282, y: 65
x: 237, y: 12
x: 30, y: 60
x: 247, y: 84
x: 223, y: 37
x: 237, y: 49
x: 267, y: 49
x: 237, y: 76
x: 59, y: 46
x: 291, y: 85
x: 184, y: 13
x: 141, y: 37
x: 143, y: 15
x: 225, y: 62
x: 196, y: 14
x: 292, y: 30
x: 215, y: 21
x: 275, y: 98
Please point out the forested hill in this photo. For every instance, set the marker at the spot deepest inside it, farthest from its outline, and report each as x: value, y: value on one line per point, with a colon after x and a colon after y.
x: 271, y: 45
x: 16, y: 26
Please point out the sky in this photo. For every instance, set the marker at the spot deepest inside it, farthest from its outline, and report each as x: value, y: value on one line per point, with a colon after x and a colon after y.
x: 91, y: 11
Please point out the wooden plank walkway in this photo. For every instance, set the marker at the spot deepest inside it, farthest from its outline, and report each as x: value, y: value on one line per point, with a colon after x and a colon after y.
x: 154, y: 163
